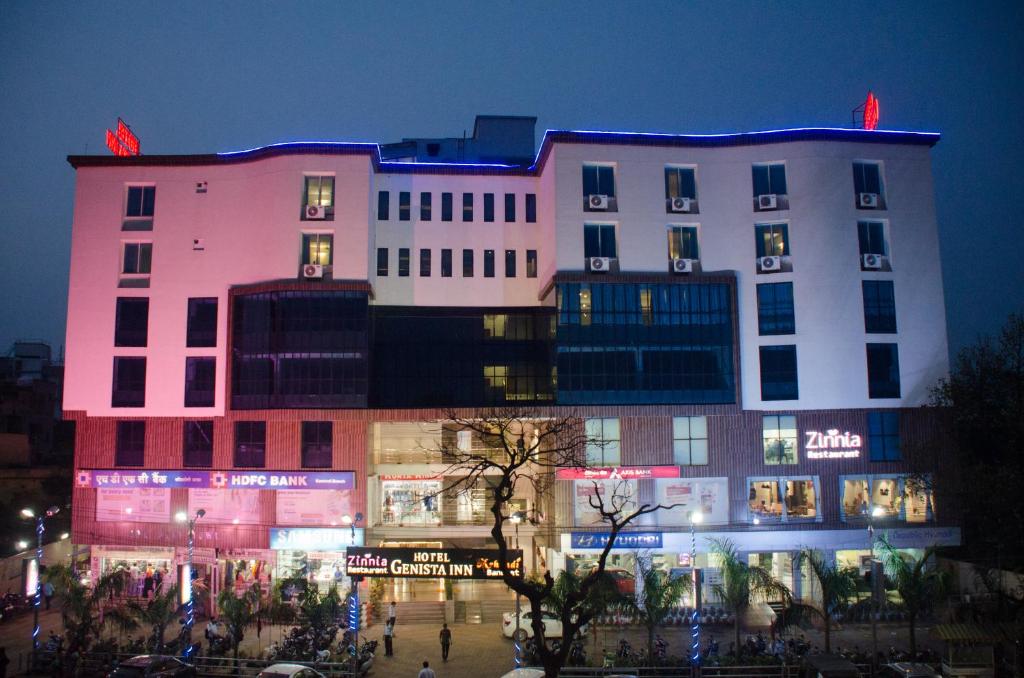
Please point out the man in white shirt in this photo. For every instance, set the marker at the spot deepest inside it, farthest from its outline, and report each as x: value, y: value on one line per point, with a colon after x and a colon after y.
x: 392, y: 609
x: 426, y: 671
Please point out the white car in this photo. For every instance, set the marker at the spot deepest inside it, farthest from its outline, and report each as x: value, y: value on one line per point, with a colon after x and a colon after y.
x: 289, y: 671
x: 552, y: 625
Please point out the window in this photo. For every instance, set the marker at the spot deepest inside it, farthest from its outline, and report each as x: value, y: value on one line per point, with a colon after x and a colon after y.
x: 467, y: 263
x: 403, y: 262
x: 140, y: 201
x: 603, y: 442
x: 531, y: 263
x: 130, y: 447
x: 871, y: 237
x: 467, y: 207
x: 317, y: 248
x: 424, y: 263
x: 488, y: 263
x: 488, y: 207
x: 510, y: 263
x: 316, y: 444
x: 884, y: 436
x: 383, y: 205
x: 129, y: 382
x: 131, y: 322
x: 404, y: 206
x: 426, y: 199
x: 879, y: 307
x: 883, y: 371
x: 778, y: 432
x: 446, y: 207
x: 689, y: 441
x: 867, y: 178
x: 599, y: 180
x: 680, y: 182
x: 382, y: 261
x: 320, y: 191
x: 531, y: 208
x: 200, y: 380
x: 769, y: 179
x: 201, y: 330
x: 682, y: 242
x: 446, y: 263
x: 778, y: 373
x: 599, y: 240
x: 783, y: 499
x: 138, y: 257
x: 771, y: 240
x: 775, y: 309
x: 250, y: 444
x: 510, y: 207
x: 197, y: 441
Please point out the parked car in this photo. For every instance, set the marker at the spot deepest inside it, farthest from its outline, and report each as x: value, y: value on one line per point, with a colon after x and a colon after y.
x: 524, y: 673
x: 907, y: 670
x: 152, y: 665
x: 552, y: 625
x: 624, y: 580
x: 289, y: 671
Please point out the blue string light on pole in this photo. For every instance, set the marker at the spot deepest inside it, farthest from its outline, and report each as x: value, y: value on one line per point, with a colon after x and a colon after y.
x: 38, y: 598
x: 190, y: 610
x: 695, y: 517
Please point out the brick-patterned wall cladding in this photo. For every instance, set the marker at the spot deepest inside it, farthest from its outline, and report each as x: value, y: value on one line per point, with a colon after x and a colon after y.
x: 734, y: 440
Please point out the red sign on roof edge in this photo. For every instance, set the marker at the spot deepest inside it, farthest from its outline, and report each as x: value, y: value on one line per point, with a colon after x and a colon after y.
x: 871, y: 112
x: 123, y: 142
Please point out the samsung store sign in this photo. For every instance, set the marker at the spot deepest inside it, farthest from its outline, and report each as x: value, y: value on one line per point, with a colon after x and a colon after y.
x: 315, y: 538
x: 832, y: 444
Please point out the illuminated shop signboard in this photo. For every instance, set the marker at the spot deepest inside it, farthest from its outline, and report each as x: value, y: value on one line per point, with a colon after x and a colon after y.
x: 430, y: 563
x: 618, y: 473
x: 123, y: 142
x: 832, y: 444
x: 270, y: 480
x: 315, y: 538
x: 623, y: 540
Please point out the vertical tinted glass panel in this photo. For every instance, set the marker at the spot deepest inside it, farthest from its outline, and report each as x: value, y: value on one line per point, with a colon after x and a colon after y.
x: 424, y: 263
x: 202, y: 322
x: 131, y: 325
x: 317, y: 447
x: 129, y: 384
x: 531, y: 208
x: 250, y: 444
x: 531, y: 263
x: 446, y: 263
x: 200, y: 381
x: 879, y: 307
x: 510, y: 263
x: 867, y: 178
x: 403, y: 262
x: 446, y: 207
x: 467, y: 207
x: 488, y: 207
x: 778, y: 373
x: 404, y: 206
x: 775, y: 309
x: 141, y: 201
x: 138, y: 258
x: 883, y: 371
x: 488, y: 263
x: 599, y: 240
x: 130, y: 447
x: 682, y: 242
x: 467, y: 263
x: 769, y: 179
x: 510, y: 207
x: 425, y: 205
x: 382, y: 261
x: 599, y: 180
x: 884, y: 436
x: 197, y: 438
x: 383, y: 205
x: 871, y: 237
x: 680, y: 182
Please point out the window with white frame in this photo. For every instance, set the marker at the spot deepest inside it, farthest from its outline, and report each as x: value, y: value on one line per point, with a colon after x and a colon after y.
x: 603, y: 442
x: 690, y: 441
x: 780, y: 438
x: 783, y: 499
x: 319, y: 191
x: 137, y: 258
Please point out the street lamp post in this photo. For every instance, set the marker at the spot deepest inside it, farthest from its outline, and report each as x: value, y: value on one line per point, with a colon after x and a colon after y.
x: 517, y: 518
x: 355, y: 610
x: 695, y: 518
x: 190, y: 611
x: 40, y: 529
x: 875, y: 513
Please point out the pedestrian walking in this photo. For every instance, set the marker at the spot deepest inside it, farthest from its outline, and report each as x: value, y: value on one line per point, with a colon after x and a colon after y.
x: 158, y: 582
x: 426, y: 671
x: 48, y: 593
x: 392, y: 610
x: 389, y: 639
x: 446, y: 641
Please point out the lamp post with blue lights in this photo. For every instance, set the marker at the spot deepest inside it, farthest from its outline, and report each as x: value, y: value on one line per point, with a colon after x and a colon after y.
x: 517, y: 518
x: 876, y: 512
x: 190, y: 610
x: 696, y: 517
x: 40, y: 529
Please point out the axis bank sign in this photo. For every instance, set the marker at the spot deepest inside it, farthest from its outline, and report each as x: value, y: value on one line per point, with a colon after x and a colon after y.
x: 832, y: 444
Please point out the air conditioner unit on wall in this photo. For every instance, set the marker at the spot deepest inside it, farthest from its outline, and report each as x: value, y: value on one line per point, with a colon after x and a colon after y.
x: 599, y: 264
x: 316, y: 212
x: 312, y: 271
x: 682, y: 265
x: 770, y: 263
x: 867, y: 200
x: 598, y: 202
x: 768, y: 201
x: 871, y: 262
x: 681, y: 204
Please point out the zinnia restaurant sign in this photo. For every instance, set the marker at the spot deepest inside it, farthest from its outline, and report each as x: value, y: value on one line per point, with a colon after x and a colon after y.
x: 832, y: 444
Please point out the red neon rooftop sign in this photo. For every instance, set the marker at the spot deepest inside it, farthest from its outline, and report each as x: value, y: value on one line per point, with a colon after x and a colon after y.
x: 871, y: 112
x: 123, y: 142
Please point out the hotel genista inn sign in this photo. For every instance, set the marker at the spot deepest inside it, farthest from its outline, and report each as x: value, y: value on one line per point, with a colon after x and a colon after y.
x: 832, y: 444
x: 430, y: 563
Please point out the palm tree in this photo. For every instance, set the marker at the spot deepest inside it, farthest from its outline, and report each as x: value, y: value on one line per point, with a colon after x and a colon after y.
x: 836, y: 585
x: 158, y: 614
x: 83, y: 609
x: 918, y: 584
x: 238, y: 613
x: 602, y: 597
x: 661, y: 593
x: 742, y: 582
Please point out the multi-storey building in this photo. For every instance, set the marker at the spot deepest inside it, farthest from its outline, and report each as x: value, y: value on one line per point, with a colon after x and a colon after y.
x: 751, y: 322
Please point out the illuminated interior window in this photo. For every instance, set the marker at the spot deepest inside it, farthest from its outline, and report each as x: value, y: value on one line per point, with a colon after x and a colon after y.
x: 602, y: 445
x: 494, y: 325
x: 496, y: 376
x: 885, y: 494
x: 682, y: 242
x: 689, y: 441
x: 317, y: 248
x: 855, y: 498
x: 780, y: 440
x: 320, y: 191
x: 586, y: 315
x: 646, y: 311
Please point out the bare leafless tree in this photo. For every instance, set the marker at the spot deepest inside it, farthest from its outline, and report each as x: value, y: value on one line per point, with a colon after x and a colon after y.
x: 527, y: 448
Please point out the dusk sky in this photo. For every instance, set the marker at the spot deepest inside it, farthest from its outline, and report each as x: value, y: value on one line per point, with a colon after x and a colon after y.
x: 193, y: 77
